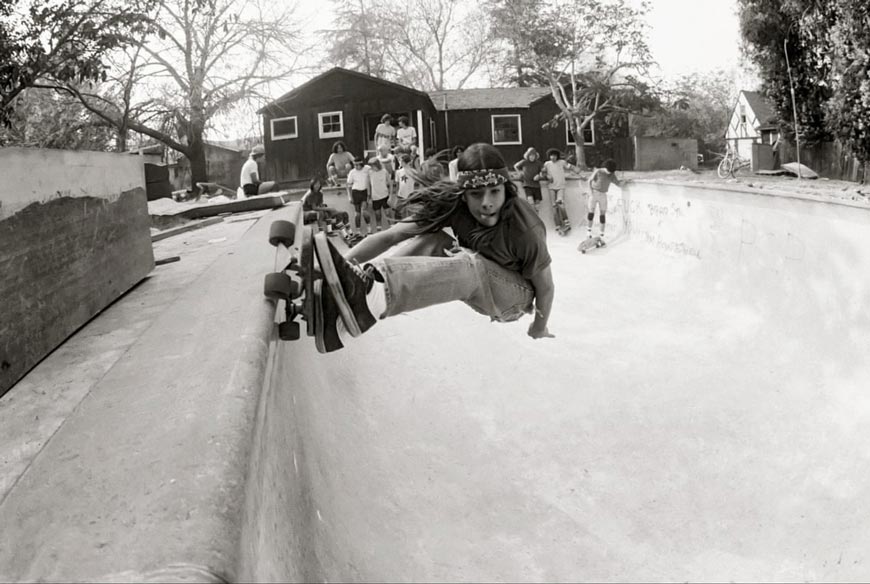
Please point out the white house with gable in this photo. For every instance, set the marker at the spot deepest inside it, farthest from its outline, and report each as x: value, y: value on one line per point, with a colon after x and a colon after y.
x: 753, y: 121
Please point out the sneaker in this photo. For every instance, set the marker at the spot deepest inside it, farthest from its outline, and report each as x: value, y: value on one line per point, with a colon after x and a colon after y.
x: 348, y: 284
x: 326, y: 317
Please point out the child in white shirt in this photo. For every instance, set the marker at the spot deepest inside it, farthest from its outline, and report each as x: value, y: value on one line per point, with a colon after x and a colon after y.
x: 380, y: 184
x: 358, y: 187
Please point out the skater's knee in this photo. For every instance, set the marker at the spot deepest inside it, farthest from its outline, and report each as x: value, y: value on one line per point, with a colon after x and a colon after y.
x: 603, y: 218
x: 590, y: 215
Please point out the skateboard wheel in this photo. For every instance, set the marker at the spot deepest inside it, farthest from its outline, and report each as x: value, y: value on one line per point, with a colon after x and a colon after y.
x: 278, y: 286
x: 288, y: 331
x: 283, y: 232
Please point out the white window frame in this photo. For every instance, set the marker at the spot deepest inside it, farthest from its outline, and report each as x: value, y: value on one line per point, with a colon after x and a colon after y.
x: 570, y: 141
x: 284, y: 136
x: 324, y: 135
x: 519, y: 127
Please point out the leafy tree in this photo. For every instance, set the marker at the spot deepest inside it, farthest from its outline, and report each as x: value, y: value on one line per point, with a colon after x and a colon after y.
x: 848, y: 110
x: 47, y: 119
x: 61, y: 40
x: 427, y: 44
x: 207, y: 57
x: 798, y: 26
x: 827, y: 46
x: 356, y: 42
x: 516, y: 66
x: 592, y: 54
x: 698, y: 106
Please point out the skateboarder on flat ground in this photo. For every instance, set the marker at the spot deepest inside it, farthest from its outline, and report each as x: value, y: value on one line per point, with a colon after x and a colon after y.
x: 500, y: 267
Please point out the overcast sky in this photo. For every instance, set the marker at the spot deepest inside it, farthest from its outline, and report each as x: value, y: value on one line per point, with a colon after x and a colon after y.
x: 694, y: 35
x: 684, y: 35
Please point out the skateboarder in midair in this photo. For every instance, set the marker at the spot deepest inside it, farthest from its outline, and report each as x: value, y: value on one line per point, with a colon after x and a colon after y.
x: 599, y: 183
x: 499, y: 264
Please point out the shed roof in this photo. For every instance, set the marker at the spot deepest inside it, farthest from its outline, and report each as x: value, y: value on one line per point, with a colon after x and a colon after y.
x: 764, y: 112
x: 494, y: 98
x: 339, y: 71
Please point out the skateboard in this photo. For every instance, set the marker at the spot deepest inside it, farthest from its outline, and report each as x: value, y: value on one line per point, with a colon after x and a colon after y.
x: 560, y: 219
x: 293, y: 277
x: 590, y: 243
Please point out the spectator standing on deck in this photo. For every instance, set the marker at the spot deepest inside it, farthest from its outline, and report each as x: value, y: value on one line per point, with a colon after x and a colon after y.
x: 453, y: 165
x: 531, y: 167
x: 385, y: 133
x: 380, y: 185
x: 404, y: 185
x: 406, y: 135
x: 358, y: 187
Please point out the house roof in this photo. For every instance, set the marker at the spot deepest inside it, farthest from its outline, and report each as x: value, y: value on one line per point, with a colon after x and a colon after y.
x: 495, y: 98
x: 764, y: 112
x: 335, y: 71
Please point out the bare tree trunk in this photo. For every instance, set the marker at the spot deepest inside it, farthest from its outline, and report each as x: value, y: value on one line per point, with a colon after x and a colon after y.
x: 198, y: 165
x: 580, y: 153
x: 579, y: 149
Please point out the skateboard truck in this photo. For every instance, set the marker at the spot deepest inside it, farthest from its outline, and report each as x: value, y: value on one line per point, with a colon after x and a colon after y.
x: 280, y: 285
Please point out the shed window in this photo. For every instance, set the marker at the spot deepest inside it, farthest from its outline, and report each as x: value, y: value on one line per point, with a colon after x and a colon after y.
x: 506, y: 129
x: 331, y: 124
x: 588, y: 135
x: 284, y: 128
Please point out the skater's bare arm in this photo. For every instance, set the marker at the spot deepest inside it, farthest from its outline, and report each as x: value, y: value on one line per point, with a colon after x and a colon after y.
x: 377, y: 243
x: 544, y: 292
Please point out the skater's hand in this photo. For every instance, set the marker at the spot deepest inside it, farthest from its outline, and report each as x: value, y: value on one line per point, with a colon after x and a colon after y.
x: 536, y: 333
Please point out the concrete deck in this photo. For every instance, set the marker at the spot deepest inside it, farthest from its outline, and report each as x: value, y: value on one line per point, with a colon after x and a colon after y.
x: 700, y: 416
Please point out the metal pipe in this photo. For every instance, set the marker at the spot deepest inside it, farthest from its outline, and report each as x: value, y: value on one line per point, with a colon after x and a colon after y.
x: 797, y: 140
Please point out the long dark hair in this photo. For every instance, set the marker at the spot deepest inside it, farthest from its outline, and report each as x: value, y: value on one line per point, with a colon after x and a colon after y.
x: 434, y: 201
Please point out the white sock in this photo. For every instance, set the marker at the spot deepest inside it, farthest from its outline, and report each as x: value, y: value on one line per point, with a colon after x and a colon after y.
x: 376, y: 299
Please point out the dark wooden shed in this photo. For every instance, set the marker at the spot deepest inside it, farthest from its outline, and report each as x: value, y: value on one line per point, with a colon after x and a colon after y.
x: 301, y: 126
x: 511, y: 118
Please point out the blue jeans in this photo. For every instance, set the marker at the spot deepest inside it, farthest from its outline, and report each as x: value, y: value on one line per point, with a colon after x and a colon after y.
x: 422, y: 275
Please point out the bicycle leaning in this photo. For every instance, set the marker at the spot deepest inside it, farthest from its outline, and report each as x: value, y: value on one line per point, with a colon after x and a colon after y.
x: 731, y: 163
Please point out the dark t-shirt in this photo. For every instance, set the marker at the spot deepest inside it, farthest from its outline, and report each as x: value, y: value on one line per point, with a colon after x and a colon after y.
x: 530, y: 170
x: 312, y: 200
x: 517, y: 242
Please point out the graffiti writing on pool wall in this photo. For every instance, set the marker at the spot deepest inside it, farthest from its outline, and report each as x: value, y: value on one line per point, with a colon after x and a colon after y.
x: 674, y: 209
x: 627, y: 209
x: 670, y: 246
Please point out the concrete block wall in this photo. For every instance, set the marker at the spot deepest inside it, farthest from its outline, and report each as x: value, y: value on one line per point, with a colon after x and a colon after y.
x: 665, y: 153
x: 74, y: 236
